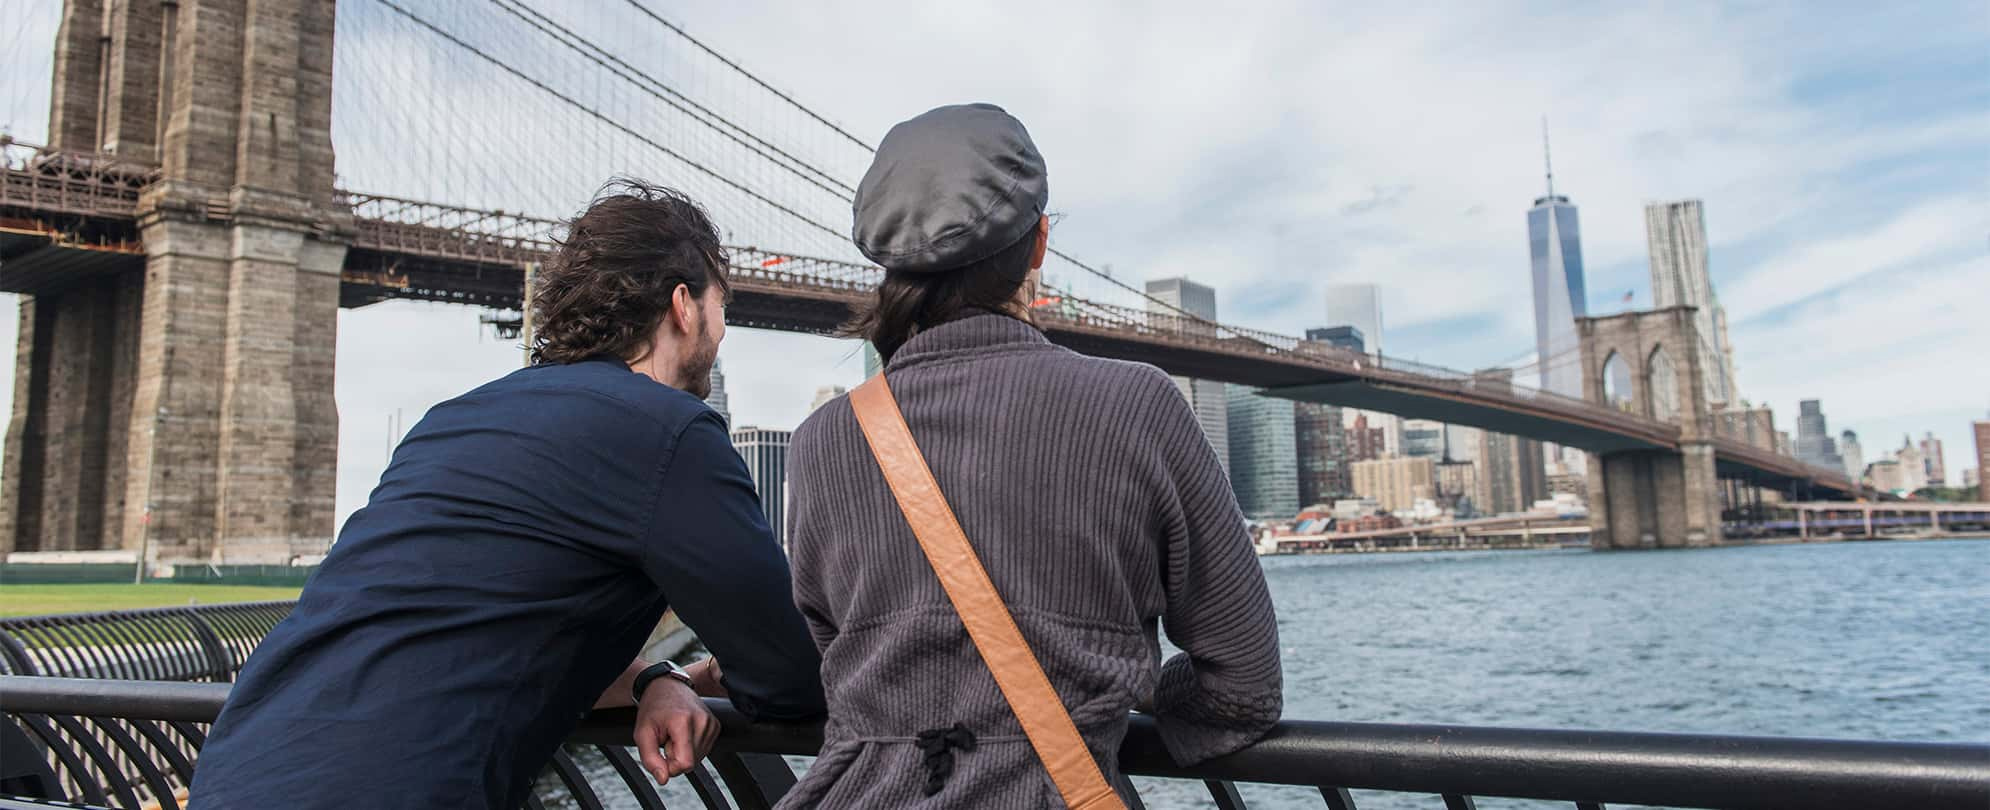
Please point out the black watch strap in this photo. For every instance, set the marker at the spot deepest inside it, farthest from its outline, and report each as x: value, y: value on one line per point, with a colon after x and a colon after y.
x: 660, y: 669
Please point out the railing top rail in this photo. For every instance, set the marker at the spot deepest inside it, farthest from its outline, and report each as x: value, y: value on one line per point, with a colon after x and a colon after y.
x: 137, y: 613
x: 176, y: 643
x: 1682, y: 770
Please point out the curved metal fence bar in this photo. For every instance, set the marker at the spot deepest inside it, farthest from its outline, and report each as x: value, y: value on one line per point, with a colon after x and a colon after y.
x: 106, y: 755
x: 194, y: 643
x: 1583, y: 768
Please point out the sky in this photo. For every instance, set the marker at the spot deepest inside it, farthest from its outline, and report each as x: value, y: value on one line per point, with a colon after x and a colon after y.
x: 1842, y: 152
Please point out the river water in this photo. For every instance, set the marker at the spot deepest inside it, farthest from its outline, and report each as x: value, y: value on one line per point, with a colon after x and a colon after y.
x: 1883, y: 640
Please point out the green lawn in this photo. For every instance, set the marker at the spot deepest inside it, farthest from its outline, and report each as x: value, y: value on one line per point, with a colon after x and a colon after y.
x: 35, y: 600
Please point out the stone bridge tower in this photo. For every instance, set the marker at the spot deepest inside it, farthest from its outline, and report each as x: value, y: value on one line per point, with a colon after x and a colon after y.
x: 183, y: 403
x: 1647, y: 363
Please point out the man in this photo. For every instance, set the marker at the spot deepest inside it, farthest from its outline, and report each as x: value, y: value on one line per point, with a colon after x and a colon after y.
x: 520, y: 547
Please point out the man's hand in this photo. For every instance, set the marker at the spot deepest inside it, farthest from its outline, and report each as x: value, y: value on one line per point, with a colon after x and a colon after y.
x: 671, y: 717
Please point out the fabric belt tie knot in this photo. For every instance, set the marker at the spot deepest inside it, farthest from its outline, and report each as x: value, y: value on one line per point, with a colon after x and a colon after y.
x: 938, y: 745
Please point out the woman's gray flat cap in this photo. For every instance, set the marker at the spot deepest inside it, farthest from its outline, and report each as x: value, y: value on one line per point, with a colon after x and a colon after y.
x: 948, y: 189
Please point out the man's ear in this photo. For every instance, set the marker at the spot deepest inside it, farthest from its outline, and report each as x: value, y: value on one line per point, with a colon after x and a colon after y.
x: 683, y: 308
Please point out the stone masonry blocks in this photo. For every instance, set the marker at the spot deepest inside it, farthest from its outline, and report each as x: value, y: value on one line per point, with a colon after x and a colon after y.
x: 65, y: 465
x: 258, y: 407
x: 131, y: 106
x: 238, y: 459
x: 21, y: 476
x: 176, y: 404
x: 73, y: 105
x: 313, y: 506
x: 206, y: 93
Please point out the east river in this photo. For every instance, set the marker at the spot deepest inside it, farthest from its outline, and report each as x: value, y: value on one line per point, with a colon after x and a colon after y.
x: 1886, y: 640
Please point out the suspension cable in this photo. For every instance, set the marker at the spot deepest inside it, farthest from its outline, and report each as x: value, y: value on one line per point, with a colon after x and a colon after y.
x: 500, y: 64
x: 661, y: 92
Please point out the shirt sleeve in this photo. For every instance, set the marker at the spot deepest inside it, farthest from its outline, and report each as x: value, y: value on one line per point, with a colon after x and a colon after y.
x: 721, y: 569
x: 1225, y: 689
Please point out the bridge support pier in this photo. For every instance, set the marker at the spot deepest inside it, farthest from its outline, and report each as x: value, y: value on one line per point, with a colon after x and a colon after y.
x: 1647, y: 363
x: 62, y: 488
x: 187, y: 409
x: 234, y: 436
x: 1654, y: 499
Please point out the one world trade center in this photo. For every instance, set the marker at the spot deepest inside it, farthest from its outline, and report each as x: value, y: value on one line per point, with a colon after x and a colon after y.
x: 1555, y: 242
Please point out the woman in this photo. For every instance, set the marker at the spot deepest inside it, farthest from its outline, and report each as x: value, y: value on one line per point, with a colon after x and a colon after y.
x: 1085, y: 486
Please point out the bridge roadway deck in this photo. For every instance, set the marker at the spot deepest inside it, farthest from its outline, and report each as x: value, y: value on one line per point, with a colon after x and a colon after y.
x: 408, y: 249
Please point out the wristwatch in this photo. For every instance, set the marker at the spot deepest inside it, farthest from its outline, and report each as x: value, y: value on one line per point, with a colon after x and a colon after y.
x: 660, y: 669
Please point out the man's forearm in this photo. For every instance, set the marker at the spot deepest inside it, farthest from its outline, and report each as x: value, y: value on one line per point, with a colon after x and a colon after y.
x: 621, y: 692
x: 705, y: 678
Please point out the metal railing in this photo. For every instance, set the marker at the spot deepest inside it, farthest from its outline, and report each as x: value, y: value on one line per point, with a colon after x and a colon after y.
x: 134, y: 742
x: 194, y: 643
x: 37, y: 178
x: 1586, y: 769
x: 438, y: 231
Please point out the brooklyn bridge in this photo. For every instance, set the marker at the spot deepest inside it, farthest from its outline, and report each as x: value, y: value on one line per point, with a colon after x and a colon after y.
x: 185, y: 238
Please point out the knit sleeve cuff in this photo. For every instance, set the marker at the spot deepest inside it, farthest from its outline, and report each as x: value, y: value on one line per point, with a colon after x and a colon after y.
x: 1197, y: 722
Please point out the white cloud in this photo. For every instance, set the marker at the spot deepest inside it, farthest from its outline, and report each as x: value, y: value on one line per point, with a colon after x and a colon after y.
x: 1911, y: 241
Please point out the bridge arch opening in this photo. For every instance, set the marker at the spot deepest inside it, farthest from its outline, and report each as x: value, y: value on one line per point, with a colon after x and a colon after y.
x: 1662, y: 385
x: 1617, y: 389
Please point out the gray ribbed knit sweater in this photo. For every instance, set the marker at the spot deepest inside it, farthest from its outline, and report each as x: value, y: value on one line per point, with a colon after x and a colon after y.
x: 1098, y: 509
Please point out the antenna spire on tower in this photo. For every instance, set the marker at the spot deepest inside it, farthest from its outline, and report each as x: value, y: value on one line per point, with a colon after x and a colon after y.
x: 1547, y: 158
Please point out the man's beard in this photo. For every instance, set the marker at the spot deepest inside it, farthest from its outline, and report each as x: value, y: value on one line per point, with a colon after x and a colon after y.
x: 697, y: 369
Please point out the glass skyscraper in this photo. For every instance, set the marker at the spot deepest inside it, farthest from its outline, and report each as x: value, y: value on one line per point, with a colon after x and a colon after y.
x: 1555, y: 245
x: 1853, y: 454
x: 1814, y: 443
x: 1423, y: 438
x: 766, y: 454
x: 1264, y: 456
x: 1319, y: 434
x: 717, y: 398
x: 1346, y: 337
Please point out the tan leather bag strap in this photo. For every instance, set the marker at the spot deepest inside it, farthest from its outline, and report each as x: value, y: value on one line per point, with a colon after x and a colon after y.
x: 994, y: 631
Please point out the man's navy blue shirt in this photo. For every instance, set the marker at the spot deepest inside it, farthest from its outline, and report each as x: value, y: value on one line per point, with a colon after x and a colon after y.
x: 520, y: 547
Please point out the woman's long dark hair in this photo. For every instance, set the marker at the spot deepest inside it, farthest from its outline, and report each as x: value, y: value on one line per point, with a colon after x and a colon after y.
x: 909, y: 302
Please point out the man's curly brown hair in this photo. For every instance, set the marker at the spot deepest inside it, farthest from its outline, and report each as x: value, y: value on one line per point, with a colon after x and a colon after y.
x: 610, y: 283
